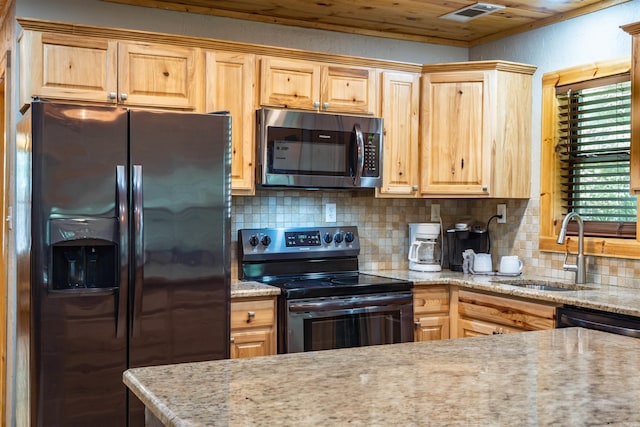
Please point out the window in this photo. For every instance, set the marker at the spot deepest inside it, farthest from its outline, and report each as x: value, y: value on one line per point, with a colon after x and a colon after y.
x: 593, y: 148
x: 585, y: 158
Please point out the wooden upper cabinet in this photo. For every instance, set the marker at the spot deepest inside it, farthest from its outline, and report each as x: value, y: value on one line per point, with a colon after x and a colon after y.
x: 400, y: 113
x: 61, y: 66
x: 67, y: 67
x: 230, y: 86
x: 159, y: 75
x: 634, y: 30
x: 476, y: 130
x: 455, y: 157
x: 309, y: 85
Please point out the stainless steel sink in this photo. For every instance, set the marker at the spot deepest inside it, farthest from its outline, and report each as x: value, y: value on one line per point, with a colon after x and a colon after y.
x: 542, y: 285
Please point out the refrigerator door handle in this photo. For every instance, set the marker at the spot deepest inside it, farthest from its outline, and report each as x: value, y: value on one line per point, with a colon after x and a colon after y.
x: 138, y: 230
x: 123, y: 219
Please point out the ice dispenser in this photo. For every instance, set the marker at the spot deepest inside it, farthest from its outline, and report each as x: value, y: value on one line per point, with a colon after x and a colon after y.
x: 84, y: 253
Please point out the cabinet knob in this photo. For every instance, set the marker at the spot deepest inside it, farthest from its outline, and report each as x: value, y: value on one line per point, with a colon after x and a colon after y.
x: 414, y: 188
x: 250, y: 316
x: 485, y: 188
x: 112, y: 95
x: 325, y: 105
x: 316, y: 104
x: 123, y: 97
x: 417, y: 324
x: 233, y: 340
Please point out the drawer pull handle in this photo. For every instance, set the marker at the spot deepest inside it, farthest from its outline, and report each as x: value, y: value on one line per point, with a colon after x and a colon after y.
x: 250, y: 316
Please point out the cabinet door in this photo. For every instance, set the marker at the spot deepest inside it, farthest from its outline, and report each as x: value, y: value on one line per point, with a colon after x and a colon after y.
x: 510, y: 312
x: 289, y: 83
x: 60, y: 66
x: 348, y: 90
x: 456, y: 156
x: 400, y: 109
x: 472, y: 328
x: 153, y: 75
x: 431, y: 328
x: 230, y: 86
x: 252, y: 344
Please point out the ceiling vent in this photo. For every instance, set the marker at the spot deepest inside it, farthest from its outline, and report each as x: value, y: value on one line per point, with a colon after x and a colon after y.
x: 472, y: 12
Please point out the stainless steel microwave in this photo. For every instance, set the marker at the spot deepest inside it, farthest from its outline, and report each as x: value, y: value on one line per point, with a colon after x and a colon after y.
x: 317, y: 150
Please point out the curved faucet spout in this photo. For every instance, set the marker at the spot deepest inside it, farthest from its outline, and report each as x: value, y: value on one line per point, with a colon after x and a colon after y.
x: 580, y: 266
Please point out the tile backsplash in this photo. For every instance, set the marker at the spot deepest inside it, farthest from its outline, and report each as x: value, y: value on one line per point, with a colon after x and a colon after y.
x: 384, y: 231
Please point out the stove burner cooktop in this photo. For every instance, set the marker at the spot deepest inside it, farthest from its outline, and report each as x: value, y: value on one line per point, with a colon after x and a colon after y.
x: 339, y: 285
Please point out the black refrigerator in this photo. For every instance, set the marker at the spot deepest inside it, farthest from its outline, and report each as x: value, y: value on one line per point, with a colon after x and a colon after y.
x: 128, y: 255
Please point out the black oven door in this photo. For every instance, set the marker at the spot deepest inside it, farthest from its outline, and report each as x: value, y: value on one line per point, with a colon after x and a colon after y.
x: 350, y: 321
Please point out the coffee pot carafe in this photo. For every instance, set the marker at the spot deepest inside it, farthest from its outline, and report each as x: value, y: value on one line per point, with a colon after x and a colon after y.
x: 425, y: 252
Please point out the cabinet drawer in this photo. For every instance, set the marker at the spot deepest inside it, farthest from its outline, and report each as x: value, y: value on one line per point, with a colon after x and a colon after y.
x: 251, y: 313
x: 472, y: 328
x: 509, y: 312
x: 431, y: 299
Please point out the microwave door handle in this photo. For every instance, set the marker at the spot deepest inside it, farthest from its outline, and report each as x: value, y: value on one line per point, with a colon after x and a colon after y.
x: 138, y: 247
x: 359, y: 166
x: 123, y: 219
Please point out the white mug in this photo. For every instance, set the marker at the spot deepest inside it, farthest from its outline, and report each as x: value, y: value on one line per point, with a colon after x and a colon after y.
x: 481, y: 263
x: 510, y: 265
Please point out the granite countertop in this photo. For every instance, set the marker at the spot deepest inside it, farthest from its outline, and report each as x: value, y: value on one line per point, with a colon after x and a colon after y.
x: 240, y: 289
x: 614, y: 299
x: 568, y: 376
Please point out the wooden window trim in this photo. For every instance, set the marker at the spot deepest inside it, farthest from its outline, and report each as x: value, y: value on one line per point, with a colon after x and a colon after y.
x: 550, y: 192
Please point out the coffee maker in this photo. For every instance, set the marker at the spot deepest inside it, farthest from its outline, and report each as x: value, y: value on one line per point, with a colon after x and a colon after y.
x: 425, y: 252
x: 465, y: 235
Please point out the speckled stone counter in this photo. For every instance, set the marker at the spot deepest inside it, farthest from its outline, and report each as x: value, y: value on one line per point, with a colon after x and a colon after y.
x: 241, y: 289
x: 609, y: 298
x: 569, y: 377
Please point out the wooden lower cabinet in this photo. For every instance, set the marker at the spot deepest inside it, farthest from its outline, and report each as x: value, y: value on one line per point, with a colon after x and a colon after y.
x: 485, y: 314
x: 253, y: 327
x: 431, y: 313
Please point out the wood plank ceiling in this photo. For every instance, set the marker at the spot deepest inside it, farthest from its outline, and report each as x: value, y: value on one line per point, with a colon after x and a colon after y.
x: 414, y: 20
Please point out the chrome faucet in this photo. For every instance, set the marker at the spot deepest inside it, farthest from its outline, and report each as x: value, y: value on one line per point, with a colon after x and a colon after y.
x: 580, y: 267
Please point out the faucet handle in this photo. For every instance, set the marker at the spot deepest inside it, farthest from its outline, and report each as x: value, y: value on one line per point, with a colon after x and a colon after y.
x: 568, y: 267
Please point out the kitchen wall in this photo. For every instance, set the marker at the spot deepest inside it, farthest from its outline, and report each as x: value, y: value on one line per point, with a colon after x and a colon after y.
x: 383, y: 222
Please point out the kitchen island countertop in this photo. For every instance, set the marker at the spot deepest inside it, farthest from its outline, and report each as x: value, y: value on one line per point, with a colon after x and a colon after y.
x: 567, y: 377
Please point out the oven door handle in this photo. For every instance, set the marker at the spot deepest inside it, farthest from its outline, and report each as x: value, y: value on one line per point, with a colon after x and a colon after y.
x: 350, y: 303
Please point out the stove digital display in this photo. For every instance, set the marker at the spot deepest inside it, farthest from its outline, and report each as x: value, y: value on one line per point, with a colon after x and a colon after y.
x: 302, y: 238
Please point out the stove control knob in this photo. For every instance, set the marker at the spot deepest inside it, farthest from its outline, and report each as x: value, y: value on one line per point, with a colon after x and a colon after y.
x: 266, y: 241
x: 348, y: 237
x: 338, y: 238
x: 253, y: 240
x: 328, y: 238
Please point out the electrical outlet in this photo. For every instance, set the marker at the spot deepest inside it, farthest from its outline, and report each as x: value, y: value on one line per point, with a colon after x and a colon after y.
x: 435, y: 212
x: 330, y: 212
x: 502, y: 210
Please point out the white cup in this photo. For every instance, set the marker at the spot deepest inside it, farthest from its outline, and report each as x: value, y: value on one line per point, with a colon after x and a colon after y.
x: 510, y: 265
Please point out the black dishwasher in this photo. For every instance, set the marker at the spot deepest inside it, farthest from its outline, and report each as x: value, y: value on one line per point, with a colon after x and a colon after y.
x: 614, y: 323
